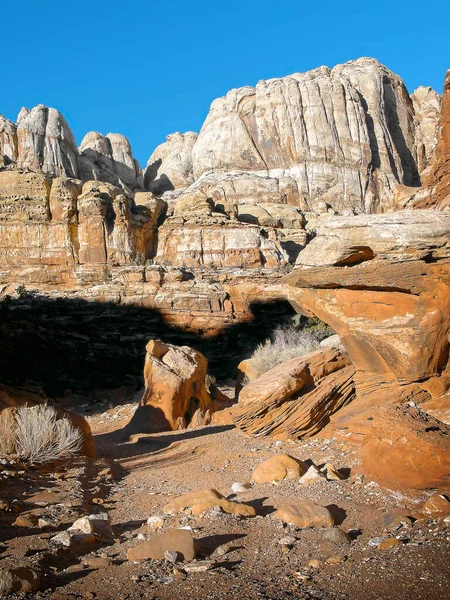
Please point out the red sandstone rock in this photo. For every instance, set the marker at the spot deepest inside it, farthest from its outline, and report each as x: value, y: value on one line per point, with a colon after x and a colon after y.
x: 296, y: 398
x: 278, y: 468
x: 174, y: 388
x: 305, y: 514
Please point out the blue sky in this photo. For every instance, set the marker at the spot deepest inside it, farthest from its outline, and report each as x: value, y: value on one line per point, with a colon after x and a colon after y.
x: 147, y: 69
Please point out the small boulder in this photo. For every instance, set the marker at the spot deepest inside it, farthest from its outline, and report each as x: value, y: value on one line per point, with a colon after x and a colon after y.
x: 17, y: 580
x: 173, y: 540
x: 202, y: 500
x: 155, y: 522
x: 335, y: 535
x: 437, y: 505
x: 331, y: 473
x: 26, y: 520
x: 312, y: 475
x: 240, y: 488
x: 389, y: 543
x: 97, y: 525
x: 305, y: 514
x: 279, y: 467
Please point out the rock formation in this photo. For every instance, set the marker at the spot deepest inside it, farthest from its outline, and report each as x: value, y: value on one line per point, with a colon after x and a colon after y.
x: 170, y: 165
x: 174, y: 389
x: 295, y: 171
x: 427, y: 108
x: 434, y: 192
x: 45, y: 142
x: 42, y: 142
x: 296, y: 398
x: 382, y: 282
x: 109, y: 158
x: 346, y: 136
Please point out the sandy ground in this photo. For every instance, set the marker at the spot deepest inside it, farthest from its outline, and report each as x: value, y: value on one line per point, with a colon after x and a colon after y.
x: 246, y: 558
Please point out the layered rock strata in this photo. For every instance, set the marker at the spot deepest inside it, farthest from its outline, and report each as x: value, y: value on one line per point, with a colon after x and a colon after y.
x: 296, y: 398
x: 382, y: 283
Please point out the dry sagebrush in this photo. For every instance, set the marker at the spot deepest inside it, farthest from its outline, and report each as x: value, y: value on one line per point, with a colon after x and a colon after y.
x: 38, y: 436
x: 284, y: 344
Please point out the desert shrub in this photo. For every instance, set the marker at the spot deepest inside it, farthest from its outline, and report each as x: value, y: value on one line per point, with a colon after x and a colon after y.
x: 320, y: 329
x: 285, y: 343
x: 106, y: 274
x: 37, y: 435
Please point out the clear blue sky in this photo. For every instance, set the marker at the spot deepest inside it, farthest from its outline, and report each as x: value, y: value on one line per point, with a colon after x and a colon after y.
x: 147, y: 69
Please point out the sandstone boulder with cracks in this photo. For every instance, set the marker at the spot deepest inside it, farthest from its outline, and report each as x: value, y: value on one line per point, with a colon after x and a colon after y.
x: 174, y: 389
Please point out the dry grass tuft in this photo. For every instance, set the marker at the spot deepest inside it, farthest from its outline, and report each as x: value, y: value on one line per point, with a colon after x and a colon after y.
x: 35, y: 434
x: 284, y: 344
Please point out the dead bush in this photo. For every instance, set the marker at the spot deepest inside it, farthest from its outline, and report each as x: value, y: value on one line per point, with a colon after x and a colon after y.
x: 284, y: 344
x: 41, y: 437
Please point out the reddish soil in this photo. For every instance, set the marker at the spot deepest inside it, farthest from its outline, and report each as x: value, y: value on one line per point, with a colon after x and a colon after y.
x: 250, y: 563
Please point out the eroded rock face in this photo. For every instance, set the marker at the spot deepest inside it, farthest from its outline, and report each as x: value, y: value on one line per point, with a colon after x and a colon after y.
x: 427, y: 107
x: 109, y: 158
x: 170, y: 165
x: 213, y: 240
x: 434, y: 192
x: 403, y: 447
x: 60, y: 223
x: 8, y: 142
x: 346, y: 135
x: 45, y: 142
x: 174, y: 388
x: 296, y: 398
x: 382, y: 282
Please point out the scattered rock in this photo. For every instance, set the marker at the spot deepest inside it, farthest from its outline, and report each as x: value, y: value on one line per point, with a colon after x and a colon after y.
x: 437, y: 505
x: 335, y: 535
x: 312, y: 475
x: 305, y: 514
x: 98, y: 525
x: 331, y: 473
x: 171, y: 556
x: 240, y: 488
x: 18, y: 580
x: 277, y: 468
x: 203, y: 500
x: 375, y: 542
x: 26, y: 520
x: 389, y: 543
x: 47, y: 523
x: 287, y: 541
x: 335, y: 560
x: 156, y: 522
x: 198, y: 566
x: 393, y: 522
x: 97, y: 562
x: 78, y: 542
x: 173, y: 540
